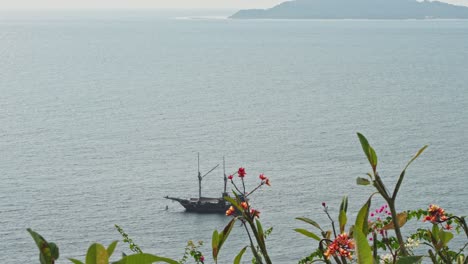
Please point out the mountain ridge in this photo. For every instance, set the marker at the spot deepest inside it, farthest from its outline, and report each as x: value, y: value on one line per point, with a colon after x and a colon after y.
x: 357, y: 9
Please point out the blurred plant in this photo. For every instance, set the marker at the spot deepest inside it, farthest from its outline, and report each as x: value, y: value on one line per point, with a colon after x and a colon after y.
x: 242, y: 210
x: 48, y: 251
x: 192, y: 249
x: 96, y: 254
x: 126, y: 239
x: 341, y: 248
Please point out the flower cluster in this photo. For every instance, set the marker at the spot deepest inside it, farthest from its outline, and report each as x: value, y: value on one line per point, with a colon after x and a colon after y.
x: 412, y: 243
x: 247, y: 210
x: 341, y: 246
x: 435, y: 214
x: 379, y: 218
x: 386, y: 259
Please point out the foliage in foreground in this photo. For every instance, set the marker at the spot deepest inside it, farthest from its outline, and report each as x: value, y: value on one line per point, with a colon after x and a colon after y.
x: 368, y: 240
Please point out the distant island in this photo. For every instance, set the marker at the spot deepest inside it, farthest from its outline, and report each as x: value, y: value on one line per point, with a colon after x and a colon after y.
x: 357, y: 9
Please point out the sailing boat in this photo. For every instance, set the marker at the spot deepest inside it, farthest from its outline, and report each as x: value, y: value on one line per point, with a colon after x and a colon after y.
x: 205, y: 204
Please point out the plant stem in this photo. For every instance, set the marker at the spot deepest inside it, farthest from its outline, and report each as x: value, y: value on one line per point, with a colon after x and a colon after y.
x: 254, y: 250
x: 260, y: 241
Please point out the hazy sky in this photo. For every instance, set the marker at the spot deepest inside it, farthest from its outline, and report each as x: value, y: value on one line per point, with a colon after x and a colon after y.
x: 7, y: 4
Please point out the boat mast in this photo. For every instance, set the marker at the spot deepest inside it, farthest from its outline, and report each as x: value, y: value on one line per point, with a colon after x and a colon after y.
x: 225, y: 178
x: 199, y: 177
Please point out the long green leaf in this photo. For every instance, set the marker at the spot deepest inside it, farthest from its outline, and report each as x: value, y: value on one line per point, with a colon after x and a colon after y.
x: 75, y: 261
x: 307, y: 233
x: 97, y: 254
x: 342, y: 220
x: 239, y: 256
x: 111, y: 248
x: 260, y: 230
x: 226, y: 231
x: 369, y: 151
x: 344, y: 204
x: 214, y: 245
x: 144, y: 258
x: 409, y: 260
x: 416, y: 156
x: 363, y: 249
x: 309, y: 221
x: 361, y: 219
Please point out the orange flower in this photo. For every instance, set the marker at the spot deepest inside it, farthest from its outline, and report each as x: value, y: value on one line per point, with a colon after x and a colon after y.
x: 341, y: 246
x: 230, y: 211
x: 245, y: 205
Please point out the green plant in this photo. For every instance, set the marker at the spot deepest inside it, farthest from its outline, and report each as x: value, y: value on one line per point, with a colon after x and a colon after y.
x: 241, y: 210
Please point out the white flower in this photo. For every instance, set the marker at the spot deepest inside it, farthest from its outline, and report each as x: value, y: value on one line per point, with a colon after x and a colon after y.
x: 411, y: 243
x: 386, y: 259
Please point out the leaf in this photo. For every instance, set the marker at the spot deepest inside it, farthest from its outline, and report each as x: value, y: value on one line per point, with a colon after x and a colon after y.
x: 309, y: 221
x: 415, y: 156
x: 369, y: 151
x: 218, y: 239
x: 97, y: 254
x: 75, y: 261
x: 233, y: 203
x: 239, y: 256
x: 402, y: 218
x: 360, y: 231
x: 226, y: 231
x: 445, y: 237
x: 111, y: 248
x: 214, y: 245
x: 362, y: 181
x: 144, y: 258
x: 342, y: 219
x: 45, y: 252
x: 307, y: 233
x: 54, y: 251
x: 260, y: 230
x: 409, y: 260
x: 361, y: 223
x: 344, y: 204
x: 363, y: 249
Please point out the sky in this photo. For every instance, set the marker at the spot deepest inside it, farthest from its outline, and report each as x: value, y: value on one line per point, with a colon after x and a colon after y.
x: 236, y: 4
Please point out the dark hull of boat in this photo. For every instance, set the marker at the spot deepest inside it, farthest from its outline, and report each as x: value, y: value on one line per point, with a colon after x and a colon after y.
x: 205, y: 205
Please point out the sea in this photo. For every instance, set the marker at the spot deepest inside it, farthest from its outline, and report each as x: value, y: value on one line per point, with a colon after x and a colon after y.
x: 103, y: 113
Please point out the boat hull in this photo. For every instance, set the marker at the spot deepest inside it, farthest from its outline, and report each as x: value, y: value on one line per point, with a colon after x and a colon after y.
x: 203, y: 205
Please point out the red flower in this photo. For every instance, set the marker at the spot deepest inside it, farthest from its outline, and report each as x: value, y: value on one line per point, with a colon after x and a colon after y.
x: 262, y: 177
x: 230, y: 211
x: 230, y: 177
x: 241, y: 172
x: 202, y: 258
x: 267, y: 182
x: 255, y: 213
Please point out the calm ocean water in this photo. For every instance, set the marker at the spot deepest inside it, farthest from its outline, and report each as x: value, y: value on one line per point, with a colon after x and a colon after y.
x: 102, y: 114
